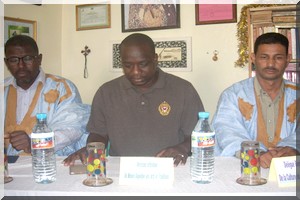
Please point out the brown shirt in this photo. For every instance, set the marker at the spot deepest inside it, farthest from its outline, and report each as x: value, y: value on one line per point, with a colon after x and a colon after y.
x: 269, y: 107
x: 143, y: 123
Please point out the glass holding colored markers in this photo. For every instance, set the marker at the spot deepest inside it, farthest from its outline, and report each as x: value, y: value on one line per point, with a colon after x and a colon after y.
x: 96, y: 165
x: 250, y: 165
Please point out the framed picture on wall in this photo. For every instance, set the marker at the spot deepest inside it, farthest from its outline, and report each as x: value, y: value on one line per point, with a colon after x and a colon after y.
x: 17, y: 26
x: 215, y: 13
x: 142, y: 17
x: 174, y: 54
x: 92, y: 16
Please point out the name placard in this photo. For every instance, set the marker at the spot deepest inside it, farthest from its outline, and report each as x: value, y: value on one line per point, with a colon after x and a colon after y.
x: 283, y: 171
x: 146, y: 170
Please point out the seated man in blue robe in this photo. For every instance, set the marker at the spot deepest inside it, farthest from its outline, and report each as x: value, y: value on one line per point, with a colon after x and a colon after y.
x: 30, y: 91
x: 261, y: 108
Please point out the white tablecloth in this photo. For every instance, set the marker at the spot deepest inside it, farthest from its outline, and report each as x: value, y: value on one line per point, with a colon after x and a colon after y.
x: 227, y: 170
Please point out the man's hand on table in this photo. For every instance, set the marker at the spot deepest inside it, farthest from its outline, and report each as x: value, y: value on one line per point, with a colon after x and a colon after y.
x: 179, y: 155
x: 266, y: 157
x: 78, y: 155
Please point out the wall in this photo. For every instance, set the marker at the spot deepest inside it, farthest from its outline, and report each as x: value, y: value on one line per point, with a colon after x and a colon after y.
x: 209, y: 78
x: 49, y: 20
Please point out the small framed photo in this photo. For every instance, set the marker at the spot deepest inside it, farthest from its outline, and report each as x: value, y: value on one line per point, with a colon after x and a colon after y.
x: 143, y: 17
x: 17, y: 26
x: 215, y: 13
x: 92, y: 16
x: 174, y: 54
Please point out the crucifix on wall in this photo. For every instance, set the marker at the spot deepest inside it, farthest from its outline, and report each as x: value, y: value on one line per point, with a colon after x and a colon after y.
x: 85, y: 52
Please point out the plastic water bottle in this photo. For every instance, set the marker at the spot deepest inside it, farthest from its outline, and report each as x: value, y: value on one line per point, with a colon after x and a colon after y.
x: 42, y: 149
x: 203, y: 142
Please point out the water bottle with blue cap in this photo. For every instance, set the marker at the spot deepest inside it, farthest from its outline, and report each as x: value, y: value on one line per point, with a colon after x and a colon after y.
x: 42, y: 149
x: 202, y: 158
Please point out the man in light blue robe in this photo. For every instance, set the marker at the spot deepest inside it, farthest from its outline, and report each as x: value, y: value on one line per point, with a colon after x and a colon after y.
x: 261, y: 108
x: 31, y: 91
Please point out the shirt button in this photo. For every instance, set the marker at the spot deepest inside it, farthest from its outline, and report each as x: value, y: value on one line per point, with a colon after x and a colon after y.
x: 142, y: 103
x: 270, y: 138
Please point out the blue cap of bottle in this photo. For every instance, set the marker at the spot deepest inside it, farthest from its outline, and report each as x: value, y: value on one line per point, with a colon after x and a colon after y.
x: 41, y: 116
x: 203, y: 115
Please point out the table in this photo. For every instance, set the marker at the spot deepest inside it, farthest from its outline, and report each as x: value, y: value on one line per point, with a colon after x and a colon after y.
x: 227, y: 170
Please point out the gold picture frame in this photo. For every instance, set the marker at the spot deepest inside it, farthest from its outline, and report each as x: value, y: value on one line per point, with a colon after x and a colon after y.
x: 17, y: 26
x: 93, y: 16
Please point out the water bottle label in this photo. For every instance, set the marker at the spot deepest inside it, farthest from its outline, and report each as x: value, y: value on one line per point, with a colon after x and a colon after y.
x: 42, y: 140
x: 203, y: 139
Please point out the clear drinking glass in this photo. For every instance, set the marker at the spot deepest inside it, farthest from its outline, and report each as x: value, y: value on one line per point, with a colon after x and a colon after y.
x: 7, y: 178
x: 250, y: 166
x: 96, y: 165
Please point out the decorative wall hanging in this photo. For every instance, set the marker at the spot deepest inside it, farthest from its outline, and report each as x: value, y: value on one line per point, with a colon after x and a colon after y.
x: 174, y: 54
x: 215, y: 56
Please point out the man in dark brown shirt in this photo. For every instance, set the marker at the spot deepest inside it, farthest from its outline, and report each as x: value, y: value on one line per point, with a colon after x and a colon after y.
x: 145, y: 112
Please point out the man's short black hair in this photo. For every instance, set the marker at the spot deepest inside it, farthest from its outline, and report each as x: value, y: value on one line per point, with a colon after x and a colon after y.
x: 21, y: 40
x: 271, y: 38
x: 138, y: 39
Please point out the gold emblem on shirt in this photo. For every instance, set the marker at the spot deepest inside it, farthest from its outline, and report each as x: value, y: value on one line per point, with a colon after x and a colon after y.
x: 164, y: 108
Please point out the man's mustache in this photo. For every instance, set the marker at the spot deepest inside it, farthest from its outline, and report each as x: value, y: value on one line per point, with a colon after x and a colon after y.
x: 271, y: 68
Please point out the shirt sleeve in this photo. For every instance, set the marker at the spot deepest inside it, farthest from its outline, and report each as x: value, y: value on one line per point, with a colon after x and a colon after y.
x: 97, y: 121
x: 229, y: 125
x: 192, y: 106
x: 69, y: 125
x: 68, y: 120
